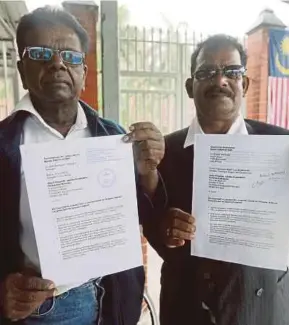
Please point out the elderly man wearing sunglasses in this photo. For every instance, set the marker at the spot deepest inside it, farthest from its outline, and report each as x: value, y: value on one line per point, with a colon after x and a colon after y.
x: 198, y: 291
x: 52, y: 47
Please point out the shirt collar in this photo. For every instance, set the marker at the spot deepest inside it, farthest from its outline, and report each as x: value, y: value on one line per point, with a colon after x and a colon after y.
x: 26, y: 105
x: 238, y: 127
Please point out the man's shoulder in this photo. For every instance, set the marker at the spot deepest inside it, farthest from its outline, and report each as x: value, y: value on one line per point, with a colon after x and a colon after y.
x: 258, y: 127
x: 4, y: 124
x: 105, y: 126
x: 9, y: 125
x: 110, y: 126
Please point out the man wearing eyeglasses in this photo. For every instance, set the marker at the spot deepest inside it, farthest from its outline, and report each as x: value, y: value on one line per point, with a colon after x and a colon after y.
x: 198, y: 291
x: 52, y: 47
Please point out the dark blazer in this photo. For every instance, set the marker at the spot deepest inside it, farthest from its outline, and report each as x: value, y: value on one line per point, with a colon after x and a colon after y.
x: 124, y: 290
x: 237, y: 295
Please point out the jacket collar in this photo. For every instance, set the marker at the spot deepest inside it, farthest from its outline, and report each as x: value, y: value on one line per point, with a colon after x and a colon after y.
x: 11, y: 131
x: 15, y: 122
x: 249, y: 127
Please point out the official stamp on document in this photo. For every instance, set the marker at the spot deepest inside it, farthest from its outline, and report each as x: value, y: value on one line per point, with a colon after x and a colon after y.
x: 106, y: 178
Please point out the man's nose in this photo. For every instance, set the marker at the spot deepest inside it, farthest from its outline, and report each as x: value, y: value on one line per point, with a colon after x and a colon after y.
x: 221, y: 80
x: 56, y: 62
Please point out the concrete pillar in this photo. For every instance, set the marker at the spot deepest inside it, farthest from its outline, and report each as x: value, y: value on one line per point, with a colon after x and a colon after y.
x: 258, y: 64
x: 87, y: 14
x: 110, y: 59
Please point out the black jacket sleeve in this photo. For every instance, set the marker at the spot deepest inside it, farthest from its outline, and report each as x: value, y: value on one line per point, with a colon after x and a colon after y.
x: 152, y: 217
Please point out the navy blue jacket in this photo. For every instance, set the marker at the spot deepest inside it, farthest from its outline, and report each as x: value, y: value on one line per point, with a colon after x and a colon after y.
x: 124, y: 290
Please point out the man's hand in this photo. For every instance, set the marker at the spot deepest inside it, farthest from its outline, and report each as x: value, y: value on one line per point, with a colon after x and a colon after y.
x: 178, y: 227
x: 149, y: 146
x: 21, y: 294
x: 149, y: 150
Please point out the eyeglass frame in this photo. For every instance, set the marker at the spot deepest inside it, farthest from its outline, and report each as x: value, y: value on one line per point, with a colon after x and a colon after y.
x: 222, y: 70
x: 27, y: 50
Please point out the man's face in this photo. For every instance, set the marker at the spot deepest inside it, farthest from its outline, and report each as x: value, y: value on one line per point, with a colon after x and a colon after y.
x: 218, y: 84
x: 53, y: 80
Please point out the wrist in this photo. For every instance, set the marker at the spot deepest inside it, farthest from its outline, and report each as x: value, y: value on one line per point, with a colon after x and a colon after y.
x: 149, y: 182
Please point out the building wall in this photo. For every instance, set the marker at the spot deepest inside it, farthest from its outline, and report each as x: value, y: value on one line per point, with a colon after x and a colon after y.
x: 257, y: 67
x: 87, y: 15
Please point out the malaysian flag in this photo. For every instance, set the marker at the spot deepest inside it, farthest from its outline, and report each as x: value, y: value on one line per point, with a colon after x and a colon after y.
x: 278, y: 86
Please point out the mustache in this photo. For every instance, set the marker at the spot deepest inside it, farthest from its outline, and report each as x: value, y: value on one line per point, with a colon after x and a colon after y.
x: 215, y: 90
x: 54, y: 78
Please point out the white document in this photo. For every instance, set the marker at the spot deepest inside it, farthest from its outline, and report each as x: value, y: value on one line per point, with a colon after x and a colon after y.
x: 82, y: 196
x: 241, y: 199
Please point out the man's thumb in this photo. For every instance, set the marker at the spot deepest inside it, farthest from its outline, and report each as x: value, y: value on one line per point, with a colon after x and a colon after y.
x: 173, y: 243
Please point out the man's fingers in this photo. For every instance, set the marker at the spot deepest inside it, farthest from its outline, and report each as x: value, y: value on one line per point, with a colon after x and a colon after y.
x: 23, y: 294
x: 34, y: 284
x: 29, y: 296
x: 179, y: 214
x: 20, y: 306
x: 179, y: 227
x: 149, y: 144
x: 143, y: 135
x: 184, y: 226
x: 179, y: 234
x: 36, y: 296
x: 142, y: 126
x: 154, y: 154
x: 21, y: 310
x: 149, y: 150
x: 172, y: 242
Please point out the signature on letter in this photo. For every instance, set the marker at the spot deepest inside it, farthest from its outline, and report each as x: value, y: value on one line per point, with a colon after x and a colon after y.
x: 257, y: 184
x: 270, y: 176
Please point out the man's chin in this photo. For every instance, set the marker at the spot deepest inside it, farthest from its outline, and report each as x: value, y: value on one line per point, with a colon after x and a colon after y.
x: 58, y: 97
x: 220, y: 109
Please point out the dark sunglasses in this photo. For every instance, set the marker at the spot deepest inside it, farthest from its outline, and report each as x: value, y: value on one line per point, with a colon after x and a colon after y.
x: 231, y: 72
x: 46, y: 54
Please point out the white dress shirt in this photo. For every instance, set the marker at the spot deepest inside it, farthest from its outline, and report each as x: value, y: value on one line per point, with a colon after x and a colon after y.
x: 238, y: 127
x: 36, y: 130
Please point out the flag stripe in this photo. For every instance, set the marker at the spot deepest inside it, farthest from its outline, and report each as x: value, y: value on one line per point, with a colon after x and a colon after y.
x: 278, y: 103
x: 278, y: 85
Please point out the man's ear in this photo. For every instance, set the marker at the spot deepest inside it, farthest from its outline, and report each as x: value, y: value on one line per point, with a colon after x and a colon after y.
x: 189, y: 87
x: 246, y: 83
x: 20, y: 68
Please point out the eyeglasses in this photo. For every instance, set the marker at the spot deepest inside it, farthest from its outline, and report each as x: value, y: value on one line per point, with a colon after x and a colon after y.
x: 231, y: 72
x: 46, y: 54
